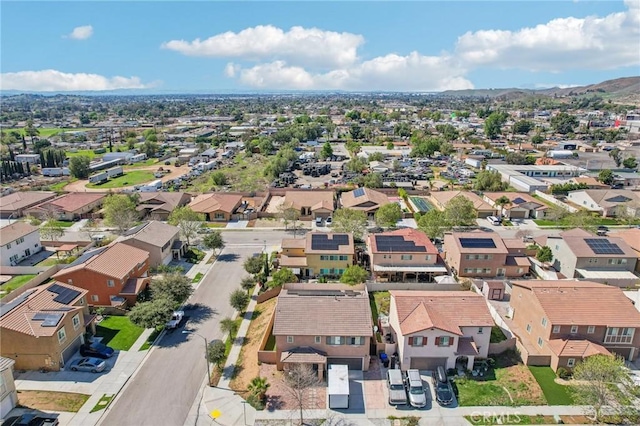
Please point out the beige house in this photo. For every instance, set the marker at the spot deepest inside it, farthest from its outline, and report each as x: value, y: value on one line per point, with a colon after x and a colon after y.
x: 311, y: 203
x: 160, y: 240
x: 364, y: 199
x: 216, y: 206
x: 440, y: 328
x: 13, y: 205
x: 520, y: 206
x: 632, y: 238
x: 441, y: 199
x: 71, y: 206
x: 607, y: 202
x: 601, y: 320
x: 323, y: 324
x: 318, y: 254
x: 404, y: 255
x: 159, y: 205
x: 8, y: 392
x: 44, y: 326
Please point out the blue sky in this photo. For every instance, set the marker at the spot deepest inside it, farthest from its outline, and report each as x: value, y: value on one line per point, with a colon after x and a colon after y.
x: 359, y: 45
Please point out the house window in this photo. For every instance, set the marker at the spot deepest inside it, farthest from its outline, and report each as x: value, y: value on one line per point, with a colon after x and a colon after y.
x: 8, y: 246
x: 289, y: 339
x: 318, y: 340
x: 335, y: 340
x: 427, y: 257
x: 571, y: 362
x: 556, y: 329
x: 544, y: 322
x: 14, y: 258
x: 443, y: 341
x: 574, y: 329
x: 591, y: 329
x: 617, y: 261
x: 529, y: 328
x: 480, y: 330
x: 94, y: 298
x: 219, y: 216
x: 110, y: 283
x: 406, y: 257
x: 76, y: 321
x: 324, y: 257
x: 619, y: 335
x: 344, y: 257
x: 417, y: 341
x: 19, y: 241
x: 593, y: 260
x: 355, y: 341
x: 540, y: 341
x: 62, y: 336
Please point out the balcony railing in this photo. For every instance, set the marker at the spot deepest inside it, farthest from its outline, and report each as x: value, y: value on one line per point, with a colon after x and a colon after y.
x: 618, y: 339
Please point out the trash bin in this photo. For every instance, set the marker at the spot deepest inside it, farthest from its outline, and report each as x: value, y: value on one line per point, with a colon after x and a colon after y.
x: 393, y: 361
x: 385, y: 360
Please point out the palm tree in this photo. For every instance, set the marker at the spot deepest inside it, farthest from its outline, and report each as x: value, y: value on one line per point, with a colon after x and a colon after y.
x: 227, y: 325
x: 258, y: 387
x: 502, y: 201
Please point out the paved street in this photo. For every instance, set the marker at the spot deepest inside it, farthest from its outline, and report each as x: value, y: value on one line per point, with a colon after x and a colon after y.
x: 165, y: 387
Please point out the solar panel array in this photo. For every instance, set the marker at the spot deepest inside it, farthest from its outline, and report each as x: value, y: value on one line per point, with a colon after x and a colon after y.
x: 49, y: 319
x: 603, y: 246
x: 477, y: 243
x: 358, y: 192
x: 5, y: 308
x: 322, y: 241
x: 397, y: 243
x: 518, y: 200
x: 64, y: 294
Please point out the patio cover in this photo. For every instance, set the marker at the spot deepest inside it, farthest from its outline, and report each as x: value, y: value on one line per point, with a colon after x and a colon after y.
x: 384, y: 268
x: 303, y: 355
x: 612, y: 275
x: 466, y: 346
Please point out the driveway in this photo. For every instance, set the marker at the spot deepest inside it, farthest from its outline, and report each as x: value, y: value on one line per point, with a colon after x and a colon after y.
x: 356, y: 394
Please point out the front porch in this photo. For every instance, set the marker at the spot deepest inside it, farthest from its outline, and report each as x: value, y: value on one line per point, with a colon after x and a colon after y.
x: 178, y: 249
x: 316, y: 359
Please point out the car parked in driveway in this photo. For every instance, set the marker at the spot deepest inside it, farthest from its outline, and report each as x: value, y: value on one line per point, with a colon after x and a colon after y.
x: 96, y: 350
x: 30, y: 419
x: 395, y: 384
x: 444, y: 393
x: 415, y: 389
x: 93, y: 365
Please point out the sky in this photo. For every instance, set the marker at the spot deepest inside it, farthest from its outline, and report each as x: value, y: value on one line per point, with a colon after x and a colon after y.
x: 262, y: 46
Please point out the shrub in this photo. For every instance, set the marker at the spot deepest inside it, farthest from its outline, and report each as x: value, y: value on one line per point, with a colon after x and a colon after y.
x: 563, y: 373
x: 255, y: 402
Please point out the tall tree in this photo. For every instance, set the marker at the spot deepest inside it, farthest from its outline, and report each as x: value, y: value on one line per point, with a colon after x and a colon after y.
x: 488, y: 180
x: 79, y: 166
x: 152, y: 314
x: 493, y: 124
x: 353, y: 221
x: 630, y: 162
x: 187, y: 220
x: 214, y: 241
x: 460, y: 211
x: 327, y: 151
x: 606, y: 176
x: 388, y: 215
x: 544, y: 254
x: 173, y: 286
x: 616, y: 156
x: 253, y: 264
x: 120, y: 211
x: 354, y: 274
x: 282, y: 276
x: 239, y: 300
x: 433, y: 223
x: 216, y: 352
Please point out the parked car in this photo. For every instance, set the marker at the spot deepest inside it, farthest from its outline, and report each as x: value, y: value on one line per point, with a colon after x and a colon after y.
x: 96, y: 350
x: 494, y: 220
x: 30, y: 419
x: 94, y: 365
x: 329, y: 221
x: 318, y: 221
x: 417, y: 396
x: 397, y: 393
x: 176, y: 319
x: 444, y: 394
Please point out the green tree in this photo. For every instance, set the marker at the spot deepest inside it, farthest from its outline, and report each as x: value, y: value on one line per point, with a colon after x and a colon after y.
x: 537, y: 139
x: 356, y: 165
x: 581, y: 219
x: 187, y: 220
x: 522, y: 127
x: 448, y: 132
x: 216, y: 352
x: 354, y: 274
x: 30, y: 130
x: 152, y: 314
x: 287, y: 213
x: 327, y: 151
x: 258, y: 386
x: 239, y: 300
x: 544, y: 254
x: 564, y: 123
x: 219, y: 178
x: 376, y: 156
x: 425, y: 147
x: 606, y: 176
x: 282, y: 276
x: 616, y: 155
x: 131, y: 143
x: 388, y: 215
x: 373, y: 180
x: 353, y: 221
x: 630, y: 163
x: 460, y: 212
x: 150, y: 147
x: 253, y: 264
x: 172, y: 286
x: 120, y: 211
x: 228, y: 326
x: 390, y: 146
x: 79, y: 166
x: 488, y: 180
x: 247, y: 283
x: 493, y: 124
x: 433, y: 223
x: 214, y: 241
x: 51, y: 231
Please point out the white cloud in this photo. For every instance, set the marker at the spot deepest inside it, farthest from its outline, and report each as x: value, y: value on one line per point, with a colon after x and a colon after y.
x: 553, y: 85
x: 53, y: 80
x: 561, y: 44
x: 298, y: 46
x: 81, y: 33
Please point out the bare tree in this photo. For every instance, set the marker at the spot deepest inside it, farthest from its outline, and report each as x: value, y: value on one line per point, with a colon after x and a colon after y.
x: 287, y: 213
x: 299, y: 380
x: 51, y: 230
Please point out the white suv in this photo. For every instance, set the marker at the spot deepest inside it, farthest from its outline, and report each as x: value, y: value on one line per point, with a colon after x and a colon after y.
x: 494, y: 220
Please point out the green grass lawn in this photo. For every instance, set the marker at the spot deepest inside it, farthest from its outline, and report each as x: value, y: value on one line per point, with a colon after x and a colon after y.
x: 497, y: 335
x: 87, y: 152
x: 563, y: 223
x: 130, y: 178
x: 246, y: 174
x: 16, y: 282
x: 46, y: 132
x: 118, y: 332
x: 556, y: 394
x: 146, y: 163
x: 60, y: 223
x: 152, y: 338
x: 197, y: 278
x: 102, y: 403
x: 52, y: 260
x: 383, y: 300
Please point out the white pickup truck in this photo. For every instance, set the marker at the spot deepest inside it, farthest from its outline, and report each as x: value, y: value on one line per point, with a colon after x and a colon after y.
x: 176, y: 319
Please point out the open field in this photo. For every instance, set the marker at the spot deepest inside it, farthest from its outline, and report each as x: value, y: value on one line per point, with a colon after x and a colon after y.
x: 245, y: 174
x: 46, y: 132
x: 52, y: 401
x: 130, y: 178
x: 86, y: 152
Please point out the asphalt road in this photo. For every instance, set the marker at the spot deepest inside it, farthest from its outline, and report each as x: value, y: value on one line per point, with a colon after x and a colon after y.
x: 164, y: 389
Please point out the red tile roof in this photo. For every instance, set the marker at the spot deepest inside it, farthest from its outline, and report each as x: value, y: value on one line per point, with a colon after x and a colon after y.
x: 116, y: 261
x: 213, y: 202
x: 578, y: 348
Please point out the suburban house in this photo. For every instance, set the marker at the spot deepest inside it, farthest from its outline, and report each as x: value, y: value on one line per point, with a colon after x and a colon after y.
x: 113, y: 275
x: 13, y: 205
x: 632, y: 238
x: 44, y: 327
x: 317, y: 254
x: 607, y: 202
x: 404, y: 255
x: 19, y: 241
x: 311, y: 203
x: 520, y: 205
x: 216, y: 206
x: 159, y: 205
x: 484, y: 255
x: 439, y: 328
x: 580, y: 254
x: 8, y: 392
x: 323, y: 324
x: 71, y: 206
x: 364, y: 199
x: 160, y: 240
x: 590, y: 181
x: 559, y: 323
x: 441, y: 199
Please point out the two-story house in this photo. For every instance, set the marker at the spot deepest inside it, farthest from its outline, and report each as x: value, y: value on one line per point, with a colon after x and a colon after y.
x: 19, y: 241
x: 12, y: 206
x: 580, y: 254
x: 439, y: 328
x: 44, y: 327
x: 404, y: 255
x: 8, y: 392
x: 484, y: 255
x: 559, y: 323
x: 318, y: 254
x: 113, y: 275
x: 160, y: 240
x: 323, y: 324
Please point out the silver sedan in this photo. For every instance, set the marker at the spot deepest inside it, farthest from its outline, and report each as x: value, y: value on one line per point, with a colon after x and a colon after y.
x: 94, y: 365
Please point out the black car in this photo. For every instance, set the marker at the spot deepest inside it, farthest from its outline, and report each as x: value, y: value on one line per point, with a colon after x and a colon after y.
x: 96, y: 350
x: 444, y: 395
x: 30, y: 419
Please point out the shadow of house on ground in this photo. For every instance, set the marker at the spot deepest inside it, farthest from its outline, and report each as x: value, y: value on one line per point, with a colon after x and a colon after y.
x: 228, y: 257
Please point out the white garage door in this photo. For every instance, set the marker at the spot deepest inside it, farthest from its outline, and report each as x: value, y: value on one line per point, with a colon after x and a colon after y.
x: 70, y: 350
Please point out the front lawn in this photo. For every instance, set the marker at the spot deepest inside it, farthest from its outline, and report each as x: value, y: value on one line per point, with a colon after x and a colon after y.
x: 556, y: 394
x: 102, y: 403
x: 16, y: 282
x: 59, y: 223
x: 152, y: 338
x: 52, y: 401
x: 118, y: 332
x: 130, y: 178
x: 597, y: 221
x: 86, y: 152
x: 58, y: 187
x: 197, y: 278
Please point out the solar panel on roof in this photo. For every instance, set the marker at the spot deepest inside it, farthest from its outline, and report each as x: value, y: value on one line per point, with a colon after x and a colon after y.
x: 477, y: 243
x: 518, y: 200
x: 322, y: 241
x: 64, y: 294
x: 603, y: 246
x: 397, y: 243
x: 5, y: 308
x: 49, y: 319
x: 358, y: 192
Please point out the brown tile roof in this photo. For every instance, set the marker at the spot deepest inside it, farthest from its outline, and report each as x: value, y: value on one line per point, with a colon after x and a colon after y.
x: 216, y: 201
x: 135, y: 285
x: 583, y: 303
x: 631, y: 237
x: 576, y: 232
x: 40, y: 299
x: 348, y: 248
x: 16, y: 230
x: 23, y: 200
x: 444, y: 197
x: 289, y: 261
x: 444, y: 310
x: 303, y: 355
x: 466, y: 346
x: 518, y: 261
x: 165, y: 201
x: 294, y: 243
x: 578, y: 348
x: 300, y: 199
x: 514, y: 243
x: 310, y: 313
x: 419, y: 238
x: 513, y: 197
x: 581, y: 249
x: 155, y: 233
x: 350, y: 201
x: 116, y: 261
x: 72, y: 201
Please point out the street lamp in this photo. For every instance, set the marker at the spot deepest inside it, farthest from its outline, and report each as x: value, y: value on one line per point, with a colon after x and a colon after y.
x: 206, y: 353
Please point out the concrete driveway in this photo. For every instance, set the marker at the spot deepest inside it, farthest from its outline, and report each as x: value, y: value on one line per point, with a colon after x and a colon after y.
x: 356, y: 394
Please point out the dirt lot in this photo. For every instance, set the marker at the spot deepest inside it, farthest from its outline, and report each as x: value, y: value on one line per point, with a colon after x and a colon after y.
x: 52, y: 401
x: 80, y: 185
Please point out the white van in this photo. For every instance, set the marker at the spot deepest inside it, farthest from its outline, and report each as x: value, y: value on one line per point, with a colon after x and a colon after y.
x: 494, y: 220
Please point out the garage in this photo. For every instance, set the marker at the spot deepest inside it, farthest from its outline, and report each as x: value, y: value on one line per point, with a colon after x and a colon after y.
x: 352, y: 363
x: 426, y: 363
x: 70, y: 350
x: 518, y: 214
